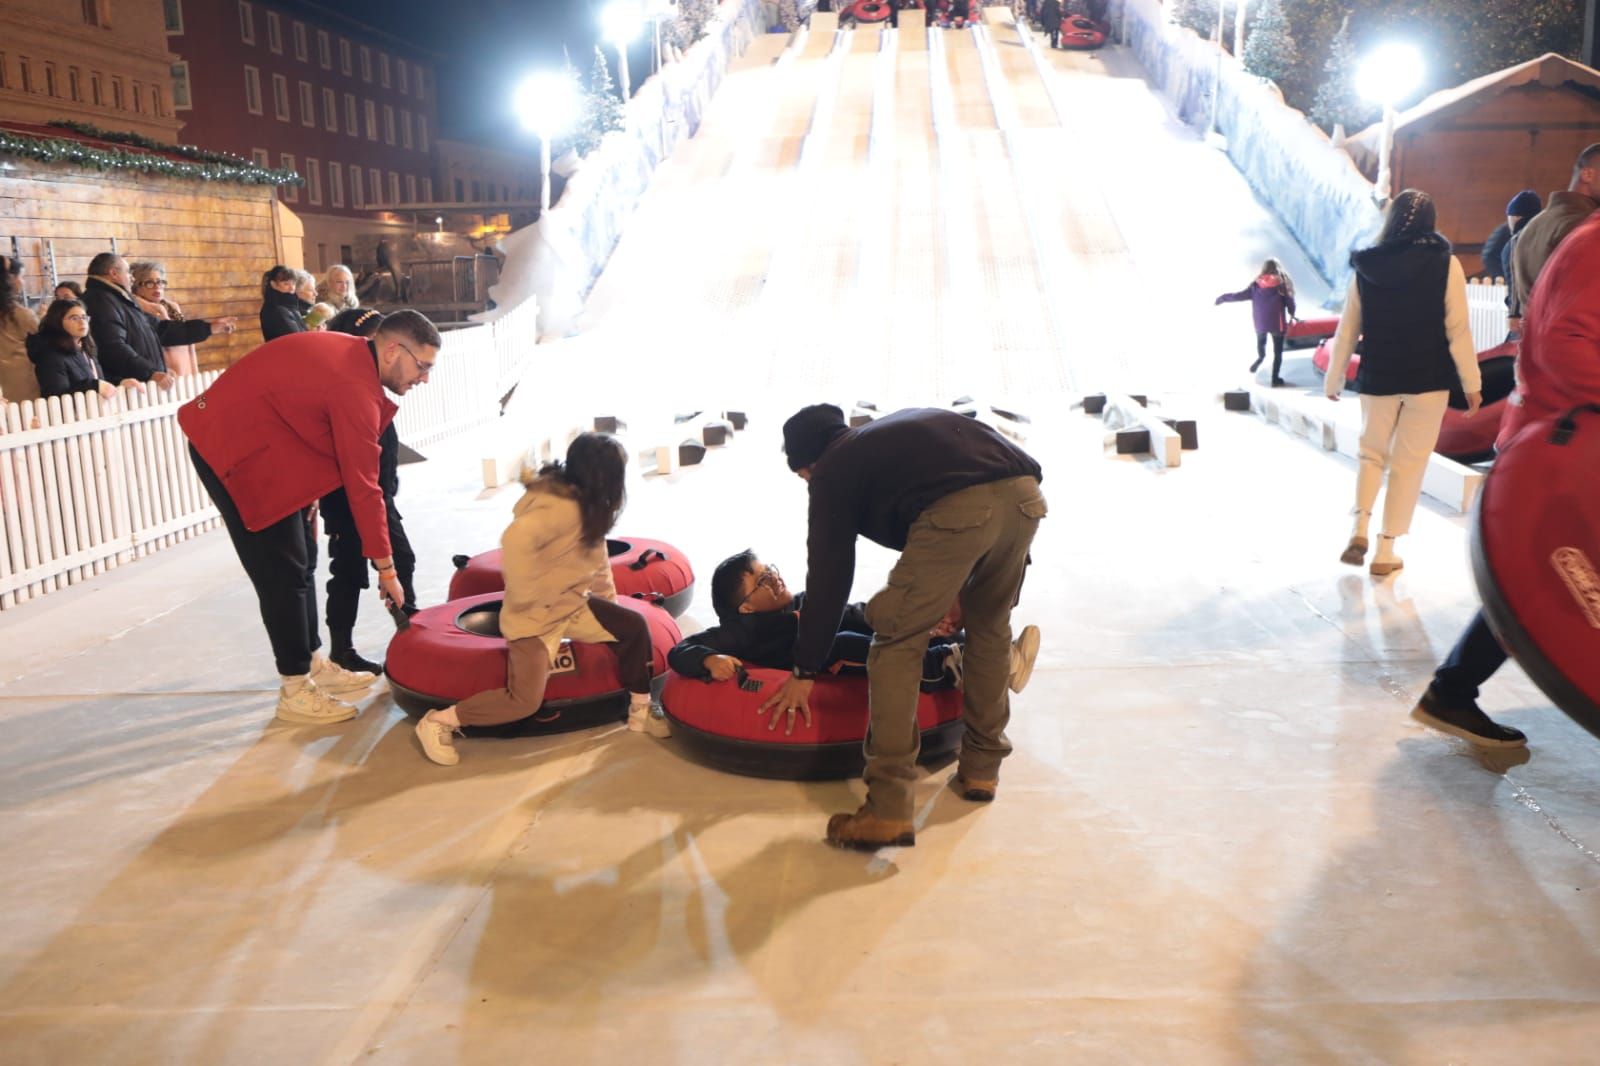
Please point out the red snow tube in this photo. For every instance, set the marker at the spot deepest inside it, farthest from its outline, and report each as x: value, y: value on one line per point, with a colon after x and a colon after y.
x: 1322, y: 358
x: 1080, y: 31
x: 1536, y: 558
x: 455, y: 650
x: 642, y: 569
x: 1471, y: 440
x: 1309, y: 333
x: 718, y: 721
x: 869, y: 11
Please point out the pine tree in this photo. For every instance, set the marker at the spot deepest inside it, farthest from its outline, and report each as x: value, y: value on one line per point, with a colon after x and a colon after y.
x: 1270, y: 51
x: 1337, y: 101
x: 690, y: 25
x: 604, y: 103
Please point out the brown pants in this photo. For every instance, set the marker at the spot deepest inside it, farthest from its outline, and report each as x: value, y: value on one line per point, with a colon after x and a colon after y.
x: 972, y: 544
x: 528, y: 668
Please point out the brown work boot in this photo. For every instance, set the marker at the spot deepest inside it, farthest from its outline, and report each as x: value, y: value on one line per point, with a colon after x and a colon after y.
x: 865, y: 831
x: 974, y: 789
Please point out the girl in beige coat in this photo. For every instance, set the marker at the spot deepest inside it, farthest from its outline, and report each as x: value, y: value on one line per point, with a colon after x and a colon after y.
x: 558, y: 585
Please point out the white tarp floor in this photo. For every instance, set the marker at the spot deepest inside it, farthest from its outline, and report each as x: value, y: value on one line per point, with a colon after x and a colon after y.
x: 1220, y: 839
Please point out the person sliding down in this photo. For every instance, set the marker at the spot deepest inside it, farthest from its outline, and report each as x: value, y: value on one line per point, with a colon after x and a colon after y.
x: 759, y: 618
x: 558, y: 585
x: 1271, y: 298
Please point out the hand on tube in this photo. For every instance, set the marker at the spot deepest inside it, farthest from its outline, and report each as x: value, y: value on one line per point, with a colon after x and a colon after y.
x: 795, y: 695
x: 389, y: 590
x: 1474, y: 401
x: 722, y: 667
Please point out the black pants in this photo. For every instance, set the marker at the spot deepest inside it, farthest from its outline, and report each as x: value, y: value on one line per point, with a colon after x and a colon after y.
x: 1277, y: 353
x: 848, y: 657
x: 1474, y: 659
x: 281, y: 562
x: 348, y: 569
x: 1055, y: 36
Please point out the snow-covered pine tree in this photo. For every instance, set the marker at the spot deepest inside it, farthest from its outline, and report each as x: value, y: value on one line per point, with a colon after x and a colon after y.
x: 603, y: 106
x: 1269, y: 51
x: 1337, y: 101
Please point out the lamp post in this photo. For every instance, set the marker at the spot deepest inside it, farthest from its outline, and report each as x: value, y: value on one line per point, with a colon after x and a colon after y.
x: 1238, y: 30
x: 546, y: 104
x: 1216, y: 88
x: 1387, y: 75
x: 619, y: 22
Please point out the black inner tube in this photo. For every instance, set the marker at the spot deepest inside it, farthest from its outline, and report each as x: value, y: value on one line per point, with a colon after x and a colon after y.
x: 615, y: 548
x: 482, y: 619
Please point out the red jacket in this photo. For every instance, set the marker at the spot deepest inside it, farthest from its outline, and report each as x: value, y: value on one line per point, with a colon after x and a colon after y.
x: 295, y: 419
x: 1559, y: 365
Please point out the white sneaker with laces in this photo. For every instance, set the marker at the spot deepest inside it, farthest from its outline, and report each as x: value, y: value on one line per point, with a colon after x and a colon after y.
x: 335, y: 679
x: 1023, y: 652
x: 438, y: 740
x: 952, y: 663
x: 649, y: 718
x: 312, y: 706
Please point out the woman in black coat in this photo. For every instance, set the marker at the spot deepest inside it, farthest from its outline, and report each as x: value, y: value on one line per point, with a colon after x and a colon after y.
x: 280, y: 307
x: 62, y: 353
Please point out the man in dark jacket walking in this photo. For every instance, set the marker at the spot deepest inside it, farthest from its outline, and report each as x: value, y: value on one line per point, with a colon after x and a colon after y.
x: 1050, y: 15
x: 127, y: 341
x: 961, y: 504
x: 1497, y: 249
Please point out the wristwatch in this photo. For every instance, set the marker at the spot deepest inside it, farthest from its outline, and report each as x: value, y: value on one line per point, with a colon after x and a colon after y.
x: 804, y: 675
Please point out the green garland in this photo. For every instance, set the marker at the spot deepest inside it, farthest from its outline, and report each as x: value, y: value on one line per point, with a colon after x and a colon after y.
x: 139, y: 140
x: 217, y: 168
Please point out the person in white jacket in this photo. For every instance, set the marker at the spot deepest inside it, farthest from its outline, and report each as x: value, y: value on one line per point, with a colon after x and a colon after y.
x: 1407, y: 305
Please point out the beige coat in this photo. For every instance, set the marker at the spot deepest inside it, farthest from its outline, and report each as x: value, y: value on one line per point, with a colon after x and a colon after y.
x: 550, y: 573
x: 17, y: 381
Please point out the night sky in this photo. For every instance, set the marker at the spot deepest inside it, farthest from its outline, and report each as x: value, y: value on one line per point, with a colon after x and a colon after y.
x: 486, y: 46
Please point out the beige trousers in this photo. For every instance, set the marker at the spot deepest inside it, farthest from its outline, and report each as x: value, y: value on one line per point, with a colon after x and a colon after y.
x: 1398, y: 434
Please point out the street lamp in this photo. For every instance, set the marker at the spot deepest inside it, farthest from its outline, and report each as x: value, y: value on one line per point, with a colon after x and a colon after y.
x: 1389, y: 74
x: 619, y: 22
x: 1238, y: 30
x: 546, y: 104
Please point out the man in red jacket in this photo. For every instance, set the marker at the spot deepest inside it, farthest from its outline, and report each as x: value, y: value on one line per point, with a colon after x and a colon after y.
x: 1558, y: 369
x: 295, y: 419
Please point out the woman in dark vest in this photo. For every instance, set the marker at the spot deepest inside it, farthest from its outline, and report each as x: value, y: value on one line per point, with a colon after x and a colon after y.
x: 1407, y: 304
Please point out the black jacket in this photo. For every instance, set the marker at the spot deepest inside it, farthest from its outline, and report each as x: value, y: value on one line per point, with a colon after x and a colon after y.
x: 1050, y: 14
x: 1404, y: 347
x: 336, y: 505
x: 765, y: 638
x: 128, y: 341
x: 1494, y: 252
x: 280, y: 315
x: 60, y: 371
x: 873, y: 481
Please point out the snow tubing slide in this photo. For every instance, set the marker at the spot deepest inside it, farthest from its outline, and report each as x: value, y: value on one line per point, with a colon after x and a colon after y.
x: 720, y: 723
x: 1536, y: 558
x: 455, y: 650
x: 642, y: 569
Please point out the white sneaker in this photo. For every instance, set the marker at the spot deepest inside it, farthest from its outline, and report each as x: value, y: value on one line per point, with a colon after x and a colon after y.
x: 649, y: 719
x: 312, y: 706
x: 952, y: 663
x: 335, y: 679
x: 438, y: 740
x: 1023, y: 651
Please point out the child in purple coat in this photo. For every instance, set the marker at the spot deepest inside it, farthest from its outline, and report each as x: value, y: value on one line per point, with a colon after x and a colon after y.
x: 1271, y: 298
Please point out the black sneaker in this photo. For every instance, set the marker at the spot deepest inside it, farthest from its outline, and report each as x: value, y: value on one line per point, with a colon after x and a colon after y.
x: 1467, y: 721
x: 350, y: 659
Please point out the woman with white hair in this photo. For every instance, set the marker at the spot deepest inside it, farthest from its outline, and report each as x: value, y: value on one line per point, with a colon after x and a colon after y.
x: 339, y: 288
x: 150, y: 293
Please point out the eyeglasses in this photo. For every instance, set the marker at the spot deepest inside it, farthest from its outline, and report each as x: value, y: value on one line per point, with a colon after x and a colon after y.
x: 422, y: 368
x: 769, y: 579
x: 76, y: 318
x: 152, y: 283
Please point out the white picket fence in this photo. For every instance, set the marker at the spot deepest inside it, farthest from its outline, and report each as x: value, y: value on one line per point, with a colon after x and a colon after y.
x: 87, y: 485
x: 1486, y: 305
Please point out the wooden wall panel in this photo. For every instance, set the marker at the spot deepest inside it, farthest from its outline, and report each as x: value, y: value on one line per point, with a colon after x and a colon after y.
x: 216, y: 239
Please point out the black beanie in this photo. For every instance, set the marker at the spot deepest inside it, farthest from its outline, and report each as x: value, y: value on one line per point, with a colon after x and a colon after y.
x: 809, y: 431
x: 1525, y: 204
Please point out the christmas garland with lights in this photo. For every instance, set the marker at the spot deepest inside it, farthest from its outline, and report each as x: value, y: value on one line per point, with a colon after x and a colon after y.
x: 207, y: 166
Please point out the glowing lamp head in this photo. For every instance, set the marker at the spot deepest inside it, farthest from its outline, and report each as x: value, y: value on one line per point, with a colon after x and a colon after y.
x: 620, y: 20
x: 546, y: 103
x: 1390, y: 73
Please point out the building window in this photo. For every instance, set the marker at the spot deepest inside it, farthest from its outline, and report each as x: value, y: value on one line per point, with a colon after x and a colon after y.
x: 313, y: 181
x: 2, y: 70
x: 138, y: 97
x: 27, y: 74
x: 411, y: 188
x: 344, y: 57
x: 291, y: 193
x: 401, y: 74
x: 366, y: 63
x: 336, y: 184
x: 155, y: 99
x: 261, y: 157
x: 461, y: 197
x: 308, y: 105
x: 75, y: 87
x: 330, y: 111
x: 301, y: 51
x: 324, y: 50
x: 252, y: 90
x: 422, y: 132
x: 421, y: 75
x: 372, y: 120
x: 491, y: 192
x: 383, y: 69
x: 247, y: 22
x: 172, y: 12
x: 350, y: 114
x: 274, y: 33
x: 394, y: 187
x: 427, y: 190
x: 477, y: 192
x: 374, y: 187
x: 280, y: 97
x: 388, y: 124
x: 94, y: 90
x: 49, y: 79
x: 356, y: 199
x: 116, y: 91
x: 91, y: 12
x: 405, y: 128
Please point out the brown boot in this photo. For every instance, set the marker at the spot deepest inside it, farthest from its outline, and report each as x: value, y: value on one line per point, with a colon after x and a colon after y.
x: 973, y: 789
x: 865, y: 831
